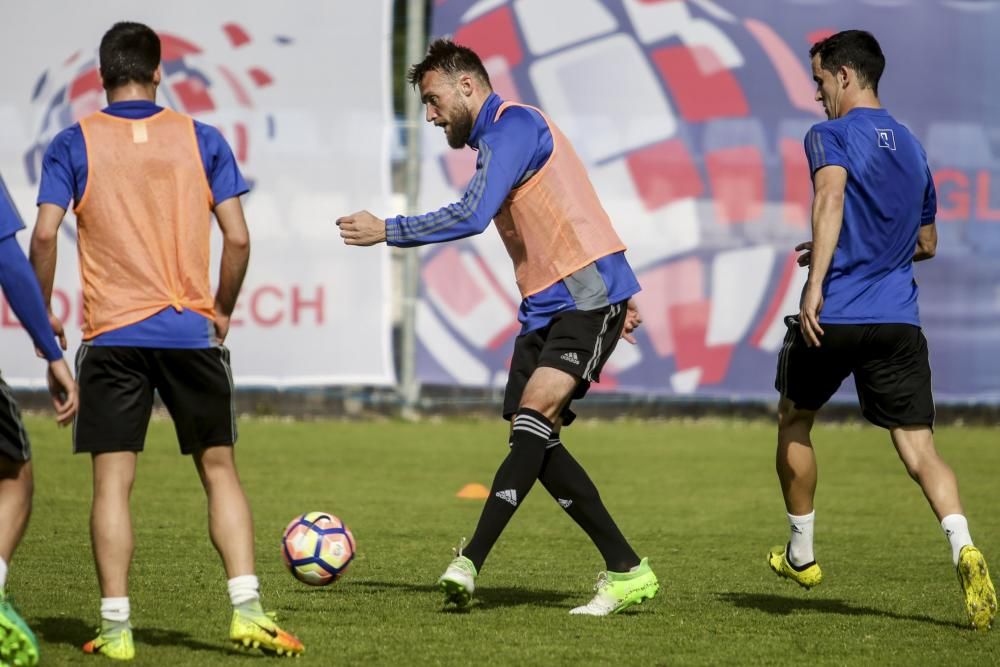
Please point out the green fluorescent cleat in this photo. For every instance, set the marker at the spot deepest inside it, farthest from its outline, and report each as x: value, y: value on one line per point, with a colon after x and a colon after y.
x: 114, y: 641
x: 620, y: 590
x: 18, y: 645
x: 459, y: 581
x: 980, y: 596
x: 252, y: 629
x: 807, y: 576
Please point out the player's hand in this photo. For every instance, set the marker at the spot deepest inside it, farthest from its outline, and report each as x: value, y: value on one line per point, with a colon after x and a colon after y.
x: 361, y: 228
x: 809, y: 309
x: 57, y: 328
x: 806, y: 257
x: 63, y: 389
x: 632, y: 321
x: 221, y: 326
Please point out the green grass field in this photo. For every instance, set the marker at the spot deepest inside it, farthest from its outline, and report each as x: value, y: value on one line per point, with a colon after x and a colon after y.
x: 700, y: 499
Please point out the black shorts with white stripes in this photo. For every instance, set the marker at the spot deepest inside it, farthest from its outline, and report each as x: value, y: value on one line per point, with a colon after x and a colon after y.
x: 578, y: 342
x: 116, y: 397
x: 891, y: 370
x: 14, y: 443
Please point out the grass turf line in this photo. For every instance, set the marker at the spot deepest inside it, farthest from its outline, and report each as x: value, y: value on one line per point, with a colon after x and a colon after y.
x: 700, y: 499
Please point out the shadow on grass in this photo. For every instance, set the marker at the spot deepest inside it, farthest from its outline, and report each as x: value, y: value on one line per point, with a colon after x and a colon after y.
x: 782, y: 606
x: 485, y: 598
x: 74, y: 632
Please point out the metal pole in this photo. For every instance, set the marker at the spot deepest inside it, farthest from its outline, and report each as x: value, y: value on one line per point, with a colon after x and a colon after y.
x: 415, y: 46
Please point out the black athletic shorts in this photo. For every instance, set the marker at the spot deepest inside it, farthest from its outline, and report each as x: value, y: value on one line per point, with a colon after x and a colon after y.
x: 14, y: 443
x: 578, y: 342
x: 889, y: 362
x: 116, y: 397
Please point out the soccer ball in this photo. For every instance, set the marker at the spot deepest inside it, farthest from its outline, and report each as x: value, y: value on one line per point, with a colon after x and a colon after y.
x: 317, y: 548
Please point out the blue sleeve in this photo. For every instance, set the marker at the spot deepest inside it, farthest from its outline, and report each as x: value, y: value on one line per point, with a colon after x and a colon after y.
x: 25, y: 297
x: 61, y: 173
x: 223, y: 173
x: 10, y: 219
x: 824, y: 147
x: 929, y: 212
x: 504, y: 156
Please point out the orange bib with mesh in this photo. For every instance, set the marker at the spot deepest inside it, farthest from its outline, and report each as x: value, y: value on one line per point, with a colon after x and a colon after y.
x: 143, y: 221
x: 554, y: 225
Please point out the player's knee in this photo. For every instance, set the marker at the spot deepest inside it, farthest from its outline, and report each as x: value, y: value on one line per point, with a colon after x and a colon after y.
x: 792, y: 420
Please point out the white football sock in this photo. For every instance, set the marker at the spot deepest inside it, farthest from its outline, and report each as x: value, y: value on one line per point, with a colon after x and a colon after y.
x: 956, y: 529
x: 800, y: 546
x: 3, y: 573
x: 243, y: 589
x: 115, y: 610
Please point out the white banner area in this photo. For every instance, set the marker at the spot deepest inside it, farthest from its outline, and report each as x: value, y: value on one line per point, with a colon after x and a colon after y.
x: 301, y: 92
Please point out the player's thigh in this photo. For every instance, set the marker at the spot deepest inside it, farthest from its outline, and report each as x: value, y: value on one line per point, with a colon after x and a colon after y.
x: 116, y: 399
x: 894, y: 378
x: 523, y: 362
x: 809, y: 376
x: 197, y: 389
x: 14, y: 443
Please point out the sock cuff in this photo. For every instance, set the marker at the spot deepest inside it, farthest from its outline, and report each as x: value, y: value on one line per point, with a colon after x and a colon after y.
x: 802, y: 517
x: 533, y: 422
x: 116, y: 610
x: 952, y: 518
x: 244, y: 588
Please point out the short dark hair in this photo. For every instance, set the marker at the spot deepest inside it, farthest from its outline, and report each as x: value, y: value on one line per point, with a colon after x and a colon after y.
x: 857, y: 49
x: 450, y: 58
x: 130, y: 52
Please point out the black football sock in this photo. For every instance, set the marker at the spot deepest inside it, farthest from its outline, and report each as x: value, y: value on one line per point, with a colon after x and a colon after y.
x: 512, y: 482
x: 572, y: 488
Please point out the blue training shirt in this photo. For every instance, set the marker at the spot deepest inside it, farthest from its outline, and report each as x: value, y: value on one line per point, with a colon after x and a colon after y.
x: 889, y: 196
x: 510, y: 151
x: 64, y: 179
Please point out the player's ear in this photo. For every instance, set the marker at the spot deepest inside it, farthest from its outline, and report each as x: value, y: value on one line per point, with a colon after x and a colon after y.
x: 844, y: 76
x: 465, y: 84
x: 157, y: 75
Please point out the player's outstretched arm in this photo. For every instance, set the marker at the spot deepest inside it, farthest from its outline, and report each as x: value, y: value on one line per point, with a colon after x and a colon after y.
x: 361, y: 228
x: 235, y: 258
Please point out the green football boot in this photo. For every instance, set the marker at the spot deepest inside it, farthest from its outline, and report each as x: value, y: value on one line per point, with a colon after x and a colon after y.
x: 620, y: 590
x: 114, y: 640
x: 980, y: 596
x: 807, y: 576
x: 18, y: 645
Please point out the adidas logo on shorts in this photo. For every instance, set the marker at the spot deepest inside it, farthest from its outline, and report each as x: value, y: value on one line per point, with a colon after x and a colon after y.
x: 564, y: 503
x: 571, y: 358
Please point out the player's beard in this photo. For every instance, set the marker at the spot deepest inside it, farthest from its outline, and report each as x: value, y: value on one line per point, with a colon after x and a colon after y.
x: 459, y: 128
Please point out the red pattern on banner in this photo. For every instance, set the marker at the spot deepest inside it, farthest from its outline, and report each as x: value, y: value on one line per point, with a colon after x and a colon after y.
x: 194, y: 96
x: 174, y: 48
x: 701, y: 85
x: 448, y: 279
x: 663, y: 173
x: 737, y: 177
x: 787, y: 274
x: 493, y: 34
x: 236, y: 34
x: 798, y: 186
x: 89, y: 81
x: 679, y: 282
x: 690, y: 330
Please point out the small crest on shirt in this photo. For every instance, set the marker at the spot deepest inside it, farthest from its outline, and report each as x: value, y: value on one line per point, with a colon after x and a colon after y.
x: 140, y: 134
x: 886, y: 139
